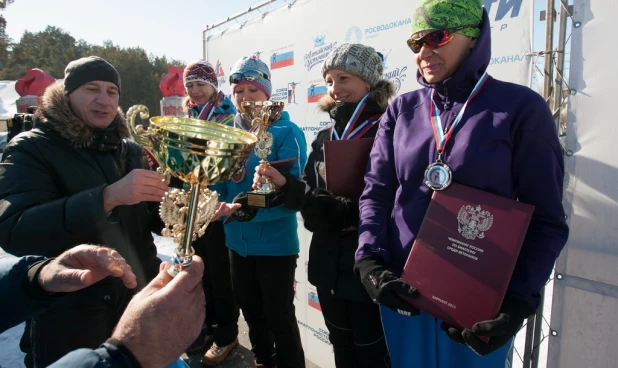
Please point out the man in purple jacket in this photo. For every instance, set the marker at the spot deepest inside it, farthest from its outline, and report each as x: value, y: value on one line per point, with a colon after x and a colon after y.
x: 505, y: 143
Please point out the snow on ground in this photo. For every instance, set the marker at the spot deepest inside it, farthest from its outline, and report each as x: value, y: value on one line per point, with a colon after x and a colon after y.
x: 10, y: 356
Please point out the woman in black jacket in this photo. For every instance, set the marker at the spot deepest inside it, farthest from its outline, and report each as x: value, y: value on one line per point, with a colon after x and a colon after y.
x: 357, y: 96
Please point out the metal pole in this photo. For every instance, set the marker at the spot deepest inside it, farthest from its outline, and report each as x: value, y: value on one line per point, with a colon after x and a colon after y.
x: 240, y: 14
x: 204, y: 56
x: 226, y: 20
x: 538, y: 328
x: 533, y: 327
x: 528, y: 342
x: 537, y: 319
x: 562, y: 25
x: 549, y: 45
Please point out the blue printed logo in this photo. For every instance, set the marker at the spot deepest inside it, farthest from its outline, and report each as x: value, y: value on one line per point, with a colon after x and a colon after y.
x: 317, y: 56
x: 319, y: 40
x: 354, y: 35
x: 397, y: 76
x: 375, y: 31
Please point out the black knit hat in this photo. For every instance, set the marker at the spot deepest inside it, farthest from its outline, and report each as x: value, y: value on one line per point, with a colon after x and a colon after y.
x: 88, y: 69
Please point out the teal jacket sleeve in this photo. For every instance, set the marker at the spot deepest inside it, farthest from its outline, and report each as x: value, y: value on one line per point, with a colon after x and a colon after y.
x: 293, y: 145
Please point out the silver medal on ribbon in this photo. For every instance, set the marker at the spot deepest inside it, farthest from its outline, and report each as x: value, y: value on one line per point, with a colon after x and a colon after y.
x: 438, y: 176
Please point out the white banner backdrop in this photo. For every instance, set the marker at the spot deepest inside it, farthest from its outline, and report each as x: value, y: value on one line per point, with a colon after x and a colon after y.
x: 8, y: 99
x: 295, y: 40
x: 585, y: 301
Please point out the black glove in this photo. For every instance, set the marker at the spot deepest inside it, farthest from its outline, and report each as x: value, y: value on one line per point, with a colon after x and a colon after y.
x: 500, y: 330
x: 384, y: 287
x: 244, y: 213
x: 294, y: 190
x: 323, y: 211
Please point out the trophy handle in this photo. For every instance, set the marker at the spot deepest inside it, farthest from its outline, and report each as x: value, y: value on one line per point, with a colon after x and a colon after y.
x: 138, y: 132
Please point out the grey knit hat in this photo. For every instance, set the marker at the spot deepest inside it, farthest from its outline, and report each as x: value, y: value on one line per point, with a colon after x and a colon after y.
x: 87, y: 69
x: 357, y: 59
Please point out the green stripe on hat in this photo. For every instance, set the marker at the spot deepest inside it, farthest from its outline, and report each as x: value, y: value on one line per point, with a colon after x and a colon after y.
x: 441, y: 14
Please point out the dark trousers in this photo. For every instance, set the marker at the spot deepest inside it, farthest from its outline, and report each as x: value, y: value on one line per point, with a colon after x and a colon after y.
x: 221, y: 308
x: 355, y: 330
x: 264, y: 289
x: 82, y: 319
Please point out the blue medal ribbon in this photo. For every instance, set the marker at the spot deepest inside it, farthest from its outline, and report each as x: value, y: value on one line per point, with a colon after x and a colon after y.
x: 208, y: 109
x: 438, y: 131
x: 352, y: 131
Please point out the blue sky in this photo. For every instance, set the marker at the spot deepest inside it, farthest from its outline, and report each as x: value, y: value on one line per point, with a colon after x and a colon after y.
x: 171, y: 28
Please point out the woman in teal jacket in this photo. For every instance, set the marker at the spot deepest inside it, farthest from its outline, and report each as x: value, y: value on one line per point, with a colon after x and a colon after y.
x: 264, y: 242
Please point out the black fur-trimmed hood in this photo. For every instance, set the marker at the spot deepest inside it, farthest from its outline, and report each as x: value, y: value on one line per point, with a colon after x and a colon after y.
x: 55, y: 111
x: 383, y: 92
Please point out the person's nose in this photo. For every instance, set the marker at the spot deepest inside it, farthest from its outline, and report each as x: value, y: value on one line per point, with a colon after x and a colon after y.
x: 425, y: 53
x: 335, y: 88
x: 103, y: 98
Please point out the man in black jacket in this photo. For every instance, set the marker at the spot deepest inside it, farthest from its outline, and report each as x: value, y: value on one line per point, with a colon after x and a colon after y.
x: 78, y: 178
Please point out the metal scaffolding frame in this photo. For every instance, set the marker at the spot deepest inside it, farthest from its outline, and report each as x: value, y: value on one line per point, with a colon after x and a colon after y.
x: 553, y: 94
x: 220, y: 26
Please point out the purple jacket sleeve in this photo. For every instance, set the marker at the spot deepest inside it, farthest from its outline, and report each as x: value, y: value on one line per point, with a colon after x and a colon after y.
x: 538, y: 174
x: 376, y: 203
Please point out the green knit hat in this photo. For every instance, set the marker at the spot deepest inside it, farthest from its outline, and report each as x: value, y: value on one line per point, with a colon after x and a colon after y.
x: 441, y: 14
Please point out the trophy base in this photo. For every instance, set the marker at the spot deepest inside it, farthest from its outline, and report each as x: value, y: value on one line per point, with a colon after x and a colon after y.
x: 179, y: 263
x: 173, y: 271
x: 256, y: 199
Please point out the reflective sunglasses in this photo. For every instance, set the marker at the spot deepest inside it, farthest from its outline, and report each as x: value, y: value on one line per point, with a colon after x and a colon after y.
x: 249, y: 75
x: 435, y: 39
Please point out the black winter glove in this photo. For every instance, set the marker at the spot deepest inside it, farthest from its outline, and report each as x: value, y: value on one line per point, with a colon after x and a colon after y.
x: 294, y: 192
x: 244, y: 213
x: 384, y: 287
x: 499, y: 330
x: 322, y: 211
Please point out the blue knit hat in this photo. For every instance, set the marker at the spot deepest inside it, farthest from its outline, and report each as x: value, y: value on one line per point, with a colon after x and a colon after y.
x: 253, y: 64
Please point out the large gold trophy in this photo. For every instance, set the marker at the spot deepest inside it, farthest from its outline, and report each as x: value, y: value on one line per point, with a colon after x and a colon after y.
x: 262, y: 114
x: 198, y: 152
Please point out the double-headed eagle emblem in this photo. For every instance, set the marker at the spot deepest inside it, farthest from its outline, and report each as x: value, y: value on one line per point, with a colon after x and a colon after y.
x: 474, y: 221
x: 175, y: 209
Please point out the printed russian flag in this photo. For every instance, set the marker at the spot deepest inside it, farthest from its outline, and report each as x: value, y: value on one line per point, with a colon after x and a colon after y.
x: 219, y: 70
x: 313, y: 301
x: 314, y: 93
x: 281, y: 60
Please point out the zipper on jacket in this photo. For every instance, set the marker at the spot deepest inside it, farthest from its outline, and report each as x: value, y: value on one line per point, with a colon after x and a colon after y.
x: 446, y: 101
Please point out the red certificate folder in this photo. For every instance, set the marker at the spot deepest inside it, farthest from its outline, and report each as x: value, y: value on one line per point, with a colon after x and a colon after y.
x: 465, y: 252
x: 345, y: 164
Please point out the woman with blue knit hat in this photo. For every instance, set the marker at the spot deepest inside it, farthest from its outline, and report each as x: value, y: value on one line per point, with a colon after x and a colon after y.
x: 263, y: 242
x: 494, y: 136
